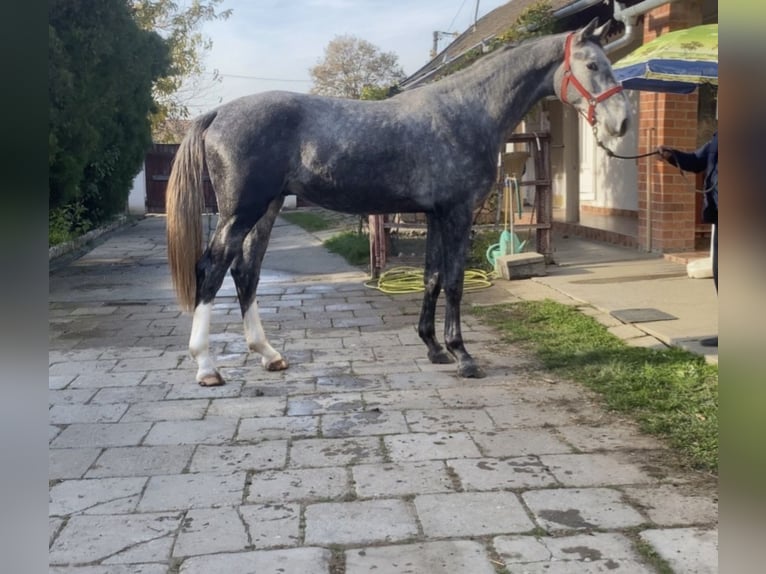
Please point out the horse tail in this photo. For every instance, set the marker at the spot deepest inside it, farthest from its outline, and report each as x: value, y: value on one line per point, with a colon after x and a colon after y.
x: 184, y: 204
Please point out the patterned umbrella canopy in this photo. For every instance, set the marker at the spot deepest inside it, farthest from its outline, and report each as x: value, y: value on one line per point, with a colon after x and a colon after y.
x: 675, y: 62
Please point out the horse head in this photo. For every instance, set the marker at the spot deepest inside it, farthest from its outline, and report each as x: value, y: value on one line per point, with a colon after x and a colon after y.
x: 585, y: 81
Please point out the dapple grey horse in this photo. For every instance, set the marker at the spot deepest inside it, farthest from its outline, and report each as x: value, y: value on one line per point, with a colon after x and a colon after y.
x: 432, y: 149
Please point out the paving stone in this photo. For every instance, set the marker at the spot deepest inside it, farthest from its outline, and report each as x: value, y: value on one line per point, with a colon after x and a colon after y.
x: 270, y: 428
x: 101, y: 435
x: 592, y: 553
x: 372, y: 422
x: 77, y: 367
x: 581, y: 508
x: 179, y: 410
x: 687, y: 550
x: 95, y: 496
x: 621, y: 435
x: 142, y: 461
x: 519, y: 442
x: 594, y: 469
x: 112, y: 569
x: 471, y: 514
x: 210, y: 530
x: 446, y: 420
x: 53, y: 432
x: 304, y: 560
x: 430, y: 446
x: 181, y: 491
x: 364, y: 522
x: 59, y: 381
x: 335, y: 451
x: 449, y: 557
x: 299, y: 484
x: 420, y: 380
x: 271, y: 525
x: 68, y: 414
x: 54, y: 524
x: 324, y: 403
x: 543, y: 414
x: 401, y: 479
x: 167, y: 361
x: 70, y: 462
x: 189, y: 389
x: 495, y: 474
x: 676, y: 505
x: 248, y: 407
x: 70, y: 397
x: 208, y: 431
x: 131, y: 538
x: 133, y: 394
x: 402, y: 400
x: 345, y: 382
x: 221, y: 459
x: 89, y: 380
x: 484, y: 396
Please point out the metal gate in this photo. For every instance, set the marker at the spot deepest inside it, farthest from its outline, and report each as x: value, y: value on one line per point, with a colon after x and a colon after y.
x: 158, y: 161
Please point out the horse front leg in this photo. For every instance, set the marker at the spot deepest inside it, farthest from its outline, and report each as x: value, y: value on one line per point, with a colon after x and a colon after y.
x: 432, y: 279
x: 457, y: 225
x: 246, y: 272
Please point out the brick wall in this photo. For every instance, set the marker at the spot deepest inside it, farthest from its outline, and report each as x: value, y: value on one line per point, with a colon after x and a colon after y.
x: 668, y: 119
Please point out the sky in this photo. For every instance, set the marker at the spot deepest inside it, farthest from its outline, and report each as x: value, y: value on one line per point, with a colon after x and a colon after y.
x: 271, y: 44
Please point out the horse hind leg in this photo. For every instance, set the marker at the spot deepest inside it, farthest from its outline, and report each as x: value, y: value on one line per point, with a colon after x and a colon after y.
x: 432, y: 279
x: 246, y: 272
x: 225, y: 244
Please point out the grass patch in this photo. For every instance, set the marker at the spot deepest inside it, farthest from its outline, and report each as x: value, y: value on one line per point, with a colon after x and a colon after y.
x: 307, y: 221
x: 671, y: 393
x: 352, y: 246
x: 477, y: 250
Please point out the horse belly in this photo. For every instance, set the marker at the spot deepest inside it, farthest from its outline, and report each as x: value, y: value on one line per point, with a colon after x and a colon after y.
x: 359, y: 199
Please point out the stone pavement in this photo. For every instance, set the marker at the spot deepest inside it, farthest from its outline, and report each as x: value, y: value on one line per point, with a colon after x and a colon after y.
x: 362, y: 457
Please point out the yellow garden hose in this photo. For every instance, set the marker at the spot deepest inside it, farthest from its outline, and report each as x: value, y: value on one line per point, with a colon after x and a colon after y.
x: 410, y: 280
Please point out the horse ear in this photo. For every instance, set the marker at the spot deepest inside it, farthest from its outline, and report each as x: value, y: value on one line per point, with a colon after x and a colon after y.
x: 601, y: 32
x: 587, y: 33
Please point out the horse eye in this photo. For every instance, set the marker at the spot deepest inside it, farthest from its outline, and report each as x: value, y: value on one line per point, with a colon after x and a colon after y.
x: 591, y: 66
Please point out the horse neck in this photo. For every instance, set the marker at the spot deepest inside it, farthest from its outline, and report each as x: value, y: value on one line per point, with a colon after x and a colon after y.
x: 508, y: 85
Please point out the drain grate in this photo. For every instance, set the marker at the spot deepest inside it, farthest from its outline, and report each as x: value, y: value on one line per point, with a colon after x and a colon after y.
x: 642, y: 315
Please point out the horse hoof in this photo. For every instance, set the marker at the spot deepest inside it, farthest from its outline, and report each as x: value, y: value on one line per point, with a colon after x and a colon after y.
x: 441, y: 358
x: 277, y: 365
x: 471, y: 371
x: 212, y: 380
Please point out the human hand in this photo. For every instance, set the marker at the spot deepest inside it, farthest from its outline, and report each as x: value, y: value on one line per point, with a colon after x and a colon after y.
x: 665, y: 153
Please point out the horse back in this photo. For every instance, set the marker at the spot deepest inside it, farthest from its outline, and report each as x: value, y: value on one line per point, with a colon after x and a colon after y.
x: 394, y: 155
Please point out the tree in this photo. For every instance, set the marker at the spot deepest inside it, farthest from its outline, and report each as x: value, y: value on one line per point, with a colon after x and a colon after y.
x: 101, y: 68
x: 351, y: 66
x: 180, y: 27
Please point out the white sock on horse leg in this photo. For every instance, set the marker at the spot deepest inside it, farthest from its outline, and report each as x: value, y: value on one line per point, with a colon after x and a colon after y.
x: 256, y: 337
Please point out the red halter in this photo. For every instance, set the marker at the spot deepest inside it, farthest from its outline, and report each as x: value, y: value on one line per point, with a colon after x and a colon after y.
x: 569, y: 77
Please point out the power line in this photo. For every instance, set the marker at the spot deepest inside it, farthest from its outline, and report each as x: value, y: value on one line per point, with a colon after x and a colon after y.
x: 456, y: 15
x: 261, y: 78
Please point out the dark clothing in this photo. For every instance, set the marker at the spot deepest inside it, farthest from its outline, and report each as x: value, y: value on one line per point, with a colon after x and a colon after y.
x: 704, y: 159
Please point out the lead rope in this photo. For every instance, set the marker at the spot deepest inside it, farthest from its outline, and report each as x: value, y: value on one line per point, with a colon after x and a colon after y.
x: 610, y: 153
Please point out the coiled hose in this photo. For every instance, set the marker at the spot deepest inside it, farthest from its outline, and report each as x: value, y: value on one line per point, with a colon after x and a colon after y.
x: 410, y: 280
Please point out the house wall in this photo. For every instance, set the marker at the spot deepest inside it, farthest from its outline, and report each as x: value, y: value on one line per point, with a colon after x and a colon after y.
x: 666, y: 198
x: 614, y: 181
x: 137, y: 197
x: 564, y: 161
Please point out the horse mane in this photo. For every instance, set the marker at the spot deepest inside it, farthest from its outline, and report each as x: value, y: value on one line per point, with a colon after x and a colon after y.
x: 488, y: 60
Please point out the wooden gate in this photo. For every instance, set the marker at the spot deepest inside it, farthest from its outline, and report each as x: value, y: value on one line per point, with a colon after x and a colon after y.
x: 159, y: 160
